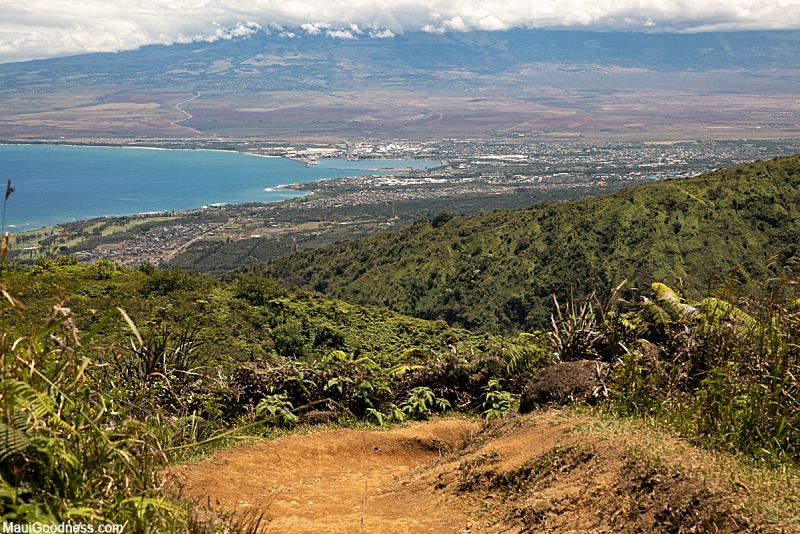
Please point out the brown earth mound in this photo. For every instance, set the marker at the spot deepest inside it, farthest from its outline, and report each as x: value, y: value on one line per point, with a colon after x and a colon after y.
x: 583, y: 380
x: 553, y: 471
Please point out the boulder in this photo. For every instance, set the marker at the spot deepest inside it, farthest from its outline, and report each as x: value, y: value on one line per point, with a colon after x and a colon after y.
x: 583, y: 380
x: 318, y: 417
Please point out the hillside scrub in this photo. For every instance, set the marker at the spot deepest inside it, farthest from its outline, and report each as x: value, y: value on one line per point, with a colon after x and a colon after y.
x: 113, y: 373
x: 498, y: 271
x: 96, y: 398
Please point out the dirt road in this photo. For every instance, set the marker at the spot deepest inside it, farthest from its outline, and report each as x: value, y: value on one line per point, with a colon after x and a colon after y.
x: 334, y: 481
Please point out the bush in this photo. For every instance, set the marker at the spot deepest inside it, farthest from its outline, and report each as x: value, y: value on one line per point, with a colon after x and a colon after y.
x: 722, y: 374
x: 497, y: 403
x: 441, y: 218
x: 68, y: 451
x: 257, y: 290
x: 168, y: 281
x: 421, y: 403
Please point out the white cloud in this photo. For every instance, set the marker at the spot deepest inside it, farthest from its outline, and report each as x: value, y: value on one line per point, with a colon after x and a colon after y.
x: 314, y: 28
x: 381, y: 34
x: 430, y: 28
x: 340, y: 34
x: 44, y: 28
x: 456, y: 24
x: 491, y: 22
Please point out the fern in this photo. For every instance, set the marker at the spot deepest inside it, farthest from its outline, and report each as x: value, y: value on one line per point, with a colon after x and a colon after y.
x: 12, y: 441
x: 277, y: 410
x: 715, y: 310
x: 496, y: 402
x: 418, y: 404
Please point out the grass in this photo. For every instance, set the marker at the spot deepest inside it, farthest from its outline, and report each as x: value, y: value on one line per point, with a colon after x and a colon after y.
x: 770, y: 492
x: 43, y: 238
x: 118, y: 228
x: 69, y: 452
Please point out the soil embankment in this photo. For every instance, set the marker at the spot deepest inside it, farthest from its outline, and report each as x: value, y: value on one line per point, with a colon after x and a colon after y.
x: 552, y: 471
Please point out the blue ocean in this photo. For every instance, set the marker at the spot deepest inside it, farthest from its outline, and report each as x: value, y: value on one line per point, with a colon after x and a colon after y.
x: 57, y: 184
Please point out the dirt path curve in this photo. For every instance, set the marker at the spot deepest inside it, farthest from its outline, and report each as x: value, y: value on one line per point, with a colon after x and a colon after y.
x: 549, y: 471
x: 332, y: 481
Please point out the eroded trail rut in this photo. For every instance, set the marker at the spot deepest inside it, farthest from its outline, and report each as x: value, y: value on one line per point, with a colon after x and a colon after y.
x: 551, y: 471
x: 334, y: 481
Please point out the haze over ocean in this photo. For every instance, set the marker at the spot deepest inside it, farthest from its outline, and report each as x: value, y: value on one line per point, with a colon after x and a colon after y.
x: 57, y: 184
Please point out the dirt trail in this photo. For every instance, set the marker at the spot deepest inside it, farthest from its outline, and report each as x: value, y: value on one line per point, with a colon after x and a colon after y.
x: 553, y: 471
x: 332, y: 481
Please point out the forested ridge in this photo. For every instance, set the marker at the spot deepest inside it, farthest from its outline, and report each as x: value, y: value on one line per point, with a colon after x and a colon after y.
x: 498, y: 271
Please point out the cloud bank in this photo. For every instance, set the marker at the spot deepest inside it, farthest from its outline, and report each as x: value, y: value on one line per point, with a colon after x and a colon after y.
x: 45, y: 28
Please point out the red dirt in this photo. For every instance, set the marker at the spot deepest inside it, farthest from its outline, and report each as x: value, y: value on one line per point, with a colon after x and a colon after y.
x: 550, y: 471
x: 332, y: 481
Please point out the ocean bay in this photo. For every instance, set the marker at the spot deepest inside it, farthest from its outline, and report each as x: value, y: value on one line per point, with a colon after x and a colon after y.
x: 58, y: 184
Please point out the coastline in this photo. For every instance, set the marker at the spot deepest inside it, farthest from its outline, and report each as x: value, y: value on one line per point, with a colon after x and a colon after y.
x: 38, y: 222
x: 287, y: 191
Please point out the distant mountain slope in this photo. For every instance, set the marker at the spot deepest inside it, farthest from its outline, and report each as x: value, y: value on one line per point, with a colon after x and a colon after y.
x: 474, y: 85
x: 313, y: 62
x: 498, y: 271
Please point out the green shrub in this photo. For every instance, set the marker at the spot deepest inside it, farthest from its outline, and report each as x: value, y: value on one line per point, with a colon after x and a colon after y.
x: 170, y: 280
x: 721, y: 374
x: 68, y: 451
x: 496, y: 402
x: 102, y: 269
x: 277, y: 410
x: 257, y: 290
x: 421, y: 403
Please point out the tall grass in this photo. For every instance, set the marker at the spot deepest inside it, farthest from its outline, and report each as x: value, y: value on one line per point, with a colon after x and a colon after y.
x: 68, y: 452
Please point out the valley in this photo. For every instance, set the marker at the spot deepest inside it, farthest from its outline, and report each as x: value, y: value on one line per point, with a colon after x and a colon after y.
x: 463, y: 178
x: 237, y: 403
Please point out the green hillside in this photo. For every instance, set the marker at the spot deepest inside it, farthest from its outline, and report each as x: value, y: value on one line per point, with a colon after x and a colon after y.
x: 247, y: 320
x: 109, y: 375
x: 498, y: 271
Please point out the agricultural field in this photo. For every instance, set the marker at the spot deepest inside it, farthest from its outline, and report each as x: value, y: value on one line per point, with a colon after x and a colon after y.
x: 545, y: 85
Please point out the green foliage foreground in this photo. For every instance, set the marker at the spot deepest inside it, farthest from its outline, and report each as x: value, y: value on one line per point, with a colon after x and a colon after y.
x: 723, y: 375
x: 69, y: 451
x: 96, y: 401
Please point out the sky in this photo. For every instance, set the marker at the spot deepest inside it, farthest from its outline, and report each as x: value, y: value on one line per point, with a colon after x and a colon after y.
x: 35, y: 29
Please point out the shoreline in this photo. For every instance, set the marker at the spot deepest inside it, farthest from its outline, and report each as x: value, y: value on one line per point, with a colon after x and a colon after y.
x: 288, y: 189
x: 18, y: 229
x: 157, y: 214
x: 167, y: 213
